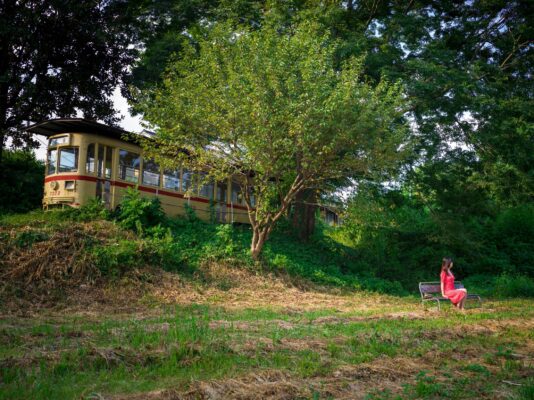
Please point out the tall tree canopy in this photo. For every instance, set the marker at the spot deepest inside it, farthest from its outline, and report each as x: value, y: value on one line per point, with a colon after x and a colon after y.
x: 467, y: 67
x: 165, y: 28
x: 273, y: 108
x: 468, y: 70
x: 60, y: 58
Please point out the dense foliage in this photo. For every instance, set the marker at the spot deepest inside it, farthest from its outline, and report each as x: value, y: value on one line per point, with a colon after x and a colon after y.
x: 372, y: 254
x: 138, y: 213
x: 373, y: 257
x: 21, y: 182
x: 403, y: 240
x: 382, y: 256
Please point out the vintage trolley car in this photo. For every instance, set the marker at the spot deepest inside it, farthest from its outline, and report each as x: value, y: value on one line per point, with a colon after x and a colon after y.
x: 87, y: 159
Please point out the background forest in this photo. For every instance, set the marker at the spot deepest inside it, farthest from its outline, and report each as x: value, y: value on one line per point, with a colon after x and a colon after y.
x: 465, y: 189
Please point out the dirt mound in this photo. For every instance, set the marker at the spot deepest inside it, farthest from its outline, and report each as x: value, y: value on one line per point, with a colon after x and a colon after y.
x: 54, y: 267
x: 33, y: 258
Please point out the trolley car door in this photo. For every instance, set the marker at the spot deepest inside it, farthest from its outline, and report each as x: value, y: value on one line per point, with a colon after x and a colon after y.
x: 104, y: 168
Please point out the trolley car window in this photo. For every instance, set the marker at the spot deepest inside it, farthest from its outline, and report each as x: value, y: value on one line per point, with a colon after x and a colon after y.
x: 150, y: 172
x: 171, y: 179
x: 206, y: 189
x: 187, y: 180
x: 68, y: 159
x: 129, y: 166
x: 90, y: 163
x: 252, y: 198
x: 59, y: 140
x: 52, y: 159
x: 107, y: 166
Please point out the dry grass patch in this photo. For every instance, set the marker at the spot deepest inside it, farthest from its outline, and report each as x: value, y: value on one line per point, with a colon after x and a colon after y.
x: 237, y: 288
x: 346, y: 382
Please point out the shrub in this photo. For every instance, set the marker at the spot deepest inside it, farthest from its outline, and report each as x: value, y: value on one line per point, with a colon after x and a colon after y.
x: 225, y: 241
x: 93, y: 210
x: 190, y: 213
x: 514, y: 236
x: 483, y: 285
x: 27, y: 238
x: 137, y: 213
x: 21, y: 182
x: 384, y: 286
x: 115, y: 259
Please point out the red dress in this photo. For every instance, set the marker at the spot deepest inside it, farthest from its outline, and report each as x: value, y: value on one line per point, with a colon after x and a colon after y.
x: 454, y: 295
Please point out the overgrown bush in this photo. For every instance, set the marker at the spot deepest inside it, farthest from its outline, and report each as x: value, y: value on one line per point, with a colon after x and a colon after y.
x: 514, y: 238
x: 137, y: 213
x: 397, y: 239
x: 115, y: 259
x: 392, y: 247
x: 94, y: 209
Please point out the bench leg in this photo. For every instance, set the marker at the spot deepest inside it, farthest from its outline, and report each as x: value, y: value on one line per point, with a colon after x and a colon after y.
x: 424, y: 302
x: 479, y: 300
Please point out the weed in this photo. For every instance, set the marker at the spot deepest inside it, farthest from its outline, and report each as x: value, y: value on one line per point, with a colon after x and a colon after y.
x: 27, y: 238
x: 514, y: 286
x: 479, y: 369
x: 426, y: 386
x: 94, y: 209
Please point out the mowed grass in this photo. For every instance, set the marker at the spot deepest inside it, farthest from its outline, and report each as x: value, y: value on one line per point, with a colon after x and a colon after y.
x: 395, y: 350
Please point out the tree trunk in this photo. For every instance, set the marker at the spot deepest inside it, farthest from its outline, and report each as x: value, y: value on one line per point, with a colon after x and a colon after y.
x: 259, y: 237
x: 304, y: 208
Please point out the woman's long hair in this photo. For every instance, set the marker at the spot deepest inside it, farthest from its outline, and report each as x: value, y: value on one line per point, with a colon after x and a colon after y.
x: 445, y: 263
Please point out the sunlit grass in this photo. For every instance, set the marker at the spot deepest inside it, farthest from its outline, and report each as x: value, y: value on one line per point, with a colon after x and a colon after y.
x: 68, y: 356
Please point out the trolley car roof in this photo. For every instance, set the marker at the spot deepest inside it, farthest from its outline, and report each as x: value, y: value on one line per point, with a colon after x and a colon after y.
x: 78, y: 125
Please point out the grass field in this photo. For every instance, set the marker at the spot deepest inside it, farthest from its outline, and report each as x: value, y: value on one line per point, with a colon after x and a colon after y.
x: 261, y: 337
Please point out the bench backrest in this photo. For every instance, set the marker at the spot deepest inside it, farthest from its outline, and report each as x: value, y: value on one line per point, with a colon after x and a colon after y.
x: 435, y: 287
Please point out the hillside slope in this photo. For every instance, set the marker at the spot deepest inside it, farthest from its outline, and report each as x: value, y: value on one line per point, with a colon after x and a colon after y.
x: 90, y: 311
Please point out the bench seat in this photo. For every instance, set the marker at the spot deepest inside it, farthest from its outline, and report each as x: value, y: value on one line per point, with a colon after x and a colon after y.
x: 431, y: 291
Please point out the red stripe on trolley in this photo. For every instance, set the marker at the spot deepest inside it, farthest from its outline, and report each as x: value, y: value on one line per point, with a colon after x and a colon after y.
x: 125, y: 184
x: 70, y: 178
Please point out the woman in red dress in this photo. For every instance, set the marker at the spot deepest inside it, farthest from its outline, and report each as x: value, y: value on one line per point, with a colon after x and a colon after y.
x: 456, y: 296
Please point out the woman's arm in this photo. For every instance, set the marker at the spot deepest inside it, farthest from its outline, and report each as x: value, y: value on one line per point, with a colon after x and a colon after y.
x: 442, y: 291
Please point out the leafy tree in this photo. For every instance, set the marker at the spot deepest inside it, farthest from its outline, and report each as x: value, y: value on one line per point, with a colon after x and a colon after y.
x: 467, y: 70
x: 60, y: 58
x: 271, y: 108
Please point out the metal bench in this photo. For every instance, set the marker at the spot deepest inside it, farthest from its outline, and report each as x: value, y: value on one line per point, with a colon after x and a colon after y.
x: 431, y: 291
